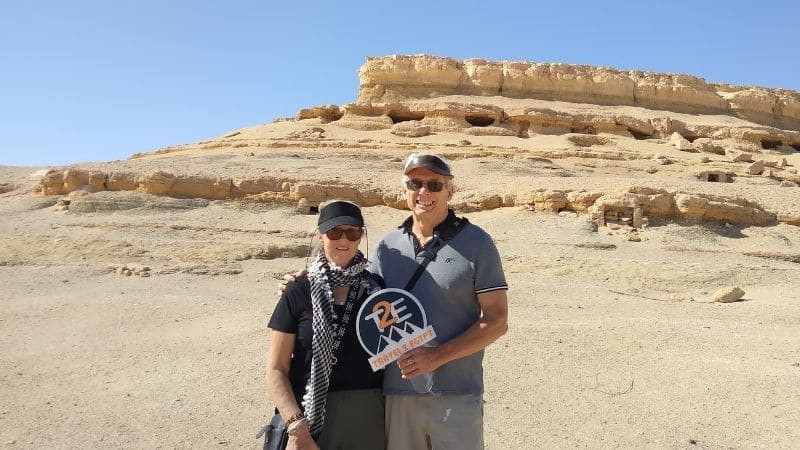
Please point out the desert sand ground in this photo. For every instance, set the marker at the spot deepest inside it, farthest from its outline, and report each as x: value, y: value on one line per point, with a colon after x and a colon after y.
x: 612, y: 343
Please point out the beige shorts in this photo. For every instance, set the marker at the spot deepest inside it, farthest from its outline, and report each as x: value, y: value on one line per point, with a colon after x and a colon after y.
x: 427, y: 422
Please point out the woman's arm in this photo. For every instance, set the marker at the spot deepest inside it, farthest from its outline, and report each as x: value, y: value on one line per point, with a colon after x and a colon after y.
x: 280, y: 388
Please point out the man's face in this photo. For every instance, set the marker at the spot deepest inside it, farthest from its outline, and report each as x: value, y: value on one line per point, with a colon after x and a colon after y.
x: 423, y: 202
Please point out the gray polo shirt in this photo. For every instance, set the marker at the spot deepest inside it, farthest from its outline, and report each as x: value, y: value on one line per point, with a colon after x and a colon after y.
x: 466, y: 265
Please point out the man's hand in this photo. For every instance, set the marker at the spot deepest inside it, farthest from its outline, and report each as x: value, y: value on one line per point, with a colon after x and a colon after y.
x: 288, y: 279
x: 492, y: 324
x: 418, y: 361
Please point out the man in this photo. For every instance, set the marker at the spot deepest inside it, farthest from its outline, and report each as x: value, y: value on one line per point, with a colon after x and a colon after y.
x: 463, y: 291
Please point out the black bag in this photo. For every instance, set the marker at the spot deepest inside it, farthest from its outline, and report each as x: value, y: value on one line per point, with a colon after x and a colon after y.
x: 275, y: 434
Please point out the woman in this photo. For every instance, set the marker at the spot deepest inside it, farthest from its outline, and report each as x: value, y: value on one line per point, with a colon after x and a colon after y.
x: 317, y: 373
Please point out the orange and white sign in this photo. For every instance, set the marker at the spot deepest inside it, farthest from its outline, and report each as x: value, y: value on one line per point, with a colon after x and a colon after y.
x: 390, y: 323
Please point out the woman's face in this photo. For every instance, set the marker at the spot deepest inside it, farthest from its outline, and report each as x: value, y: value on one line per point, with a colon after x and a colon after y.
x: 337, y: 247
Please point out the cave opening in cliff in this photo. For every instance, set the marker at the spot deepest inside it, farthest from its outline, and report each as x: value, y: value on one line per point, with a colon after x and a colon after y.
x: 619, y: 215
x: 639, y: 136
x: 479, y: 121
x: 715, y: 176
x: 796, y: 147
x: 690, y: 136
x: 398, y: 117
x: 769, y: 144
x: 313, y: 210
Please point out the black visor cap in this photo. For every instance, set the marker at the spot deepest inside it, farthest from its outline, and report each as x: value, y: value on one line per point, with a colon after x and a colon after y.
x: 335, y: 214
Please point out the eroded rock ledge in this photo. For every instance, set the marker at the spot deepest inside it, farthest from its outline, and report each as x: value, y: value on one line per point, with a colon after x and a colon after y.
x: 642, y: 201
x: 398, y: 78
x: 264, y: 189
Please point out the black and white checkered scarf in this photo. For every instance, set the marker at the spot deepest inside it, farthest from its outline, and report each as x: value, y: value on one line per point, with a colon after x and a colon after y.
x: 323, y: 277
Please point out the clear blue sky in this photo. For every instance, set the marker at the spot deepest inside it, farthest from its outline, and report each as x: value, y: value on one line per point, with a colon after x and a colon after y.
x: 99, y: 80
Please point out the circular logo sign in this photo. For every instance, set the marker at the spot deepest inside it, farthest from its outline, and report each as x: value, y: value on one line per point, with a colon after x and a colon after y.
x: 390, y: 323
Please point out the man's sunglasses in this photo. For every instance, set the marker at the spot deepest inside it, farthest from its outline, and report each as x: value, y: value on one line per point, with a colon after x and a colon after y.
x: 352, y: 234
x: 414, y: 184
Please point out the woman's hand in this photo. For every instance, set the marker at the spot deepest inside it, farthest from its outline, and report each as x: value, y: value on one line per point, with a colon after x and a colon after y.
x: 300, y: 438
x: 297, y: 443
x: 280, y: 388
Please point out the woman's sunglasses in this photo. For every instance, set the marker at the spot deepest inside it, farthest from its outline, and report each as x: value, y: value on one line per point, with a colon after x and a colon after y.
x: 352, y: 234
x: 414, y: 184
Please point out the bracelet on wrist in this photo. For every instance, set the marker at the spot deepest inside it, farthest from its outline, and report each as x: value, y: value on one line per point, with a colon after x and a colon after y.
x: 294, y: 418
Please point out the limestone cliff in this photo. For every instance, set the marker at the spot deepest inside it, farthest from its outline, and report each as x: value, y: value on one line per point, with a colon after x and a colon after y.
x: 397, y: 78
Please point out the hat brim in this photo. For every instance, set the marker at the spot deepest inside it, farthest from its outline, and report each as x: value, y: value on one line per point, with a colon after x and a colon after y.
x: 430, y: 167
x: 426, y: 161
x: 334, y: 222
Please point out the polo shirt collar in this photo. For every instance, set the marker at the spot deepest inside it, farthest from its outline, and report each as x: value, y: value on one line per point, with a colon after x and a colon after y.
x: 446, y: 229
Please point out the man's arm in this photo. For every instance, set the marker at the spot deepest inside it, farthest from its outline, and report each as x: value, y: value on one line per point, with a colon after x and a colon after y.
x: 492, y: 324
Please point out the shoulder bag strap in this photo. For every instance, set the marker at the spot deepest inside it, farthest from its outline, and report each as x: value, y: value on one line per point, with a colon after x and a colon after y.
x: 430, y: 254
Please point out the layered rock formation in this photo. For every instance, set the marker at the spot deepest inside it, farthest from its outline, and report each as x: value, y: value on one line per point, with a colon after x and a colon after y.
x: 482, y: 97
x: 58, y: 182
x: 651, y: 144
x: 398, y: 78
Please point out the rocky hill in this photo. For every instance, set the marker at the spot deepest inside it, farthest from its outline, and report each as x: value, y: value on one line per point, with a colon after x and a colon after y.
x: 554, y: 137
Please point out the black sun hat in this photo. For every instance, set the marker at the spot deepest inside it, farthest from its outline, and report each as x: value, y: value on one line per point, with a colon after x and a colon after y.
x: 339, y: 213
